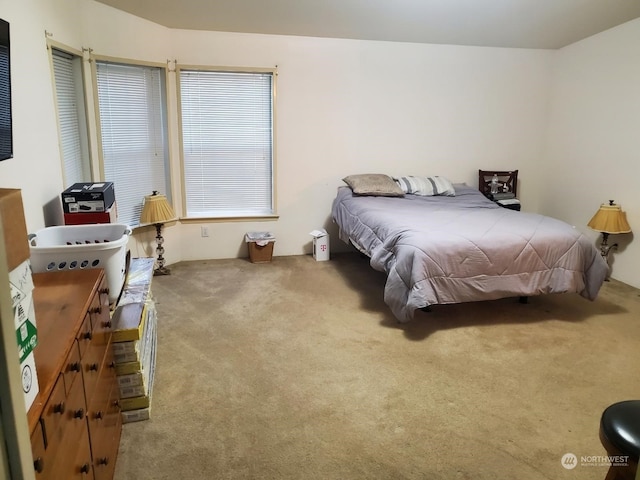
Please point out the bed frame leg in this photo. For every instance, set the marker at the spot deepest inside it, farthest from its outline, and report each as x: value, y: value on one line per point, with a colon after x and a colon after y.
x: 524, y: 300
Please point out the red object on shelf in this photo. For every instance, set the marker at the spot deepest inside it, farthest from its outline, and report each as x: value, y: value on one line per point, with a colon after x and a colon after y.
x: 88, y: 218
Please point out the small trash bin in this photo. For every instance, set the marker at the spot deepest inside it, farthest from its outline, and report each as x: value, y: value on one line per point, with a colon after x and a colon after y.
x: 260, y: 246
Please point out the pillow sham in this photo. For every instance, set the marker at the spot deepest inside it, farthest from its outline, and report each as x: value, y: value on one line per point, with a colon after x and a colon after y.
x: 426, y: 186
x: 374, y: 184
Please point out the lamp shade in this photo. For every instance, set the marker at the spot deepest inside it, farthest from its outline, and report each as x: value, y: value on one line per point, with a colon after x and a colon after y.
x: 156, y: 209
x: 610, y: 219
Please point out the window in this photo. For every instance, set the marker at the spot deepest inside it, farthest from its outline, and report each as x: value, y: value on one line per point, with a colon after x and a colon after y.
x: 133, y: 133
x: 227, y: 142
x: 72, y: 124
x: 6, y: 119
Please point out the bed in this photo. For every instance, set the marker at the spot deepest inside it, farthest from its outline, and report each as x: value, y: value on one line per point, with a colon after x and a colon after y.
x: 462, y: 248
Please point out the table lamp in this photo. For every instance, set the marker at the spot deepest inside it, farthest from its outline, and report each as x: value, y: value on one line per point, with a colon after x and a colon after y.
x: 609, y: 219
x: 157, y: 211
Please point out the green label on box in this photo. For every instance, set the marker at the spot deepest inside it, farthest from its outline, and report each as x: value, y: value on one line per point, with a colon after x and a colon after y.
x: 27, y: 336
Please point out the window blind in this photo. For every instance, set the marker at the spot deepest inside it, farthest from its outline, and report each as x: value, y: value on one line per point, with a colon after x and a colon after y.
x: 227, y: 141
x: 6, y: 134
x: 71, y: 117
x: 132, y: 104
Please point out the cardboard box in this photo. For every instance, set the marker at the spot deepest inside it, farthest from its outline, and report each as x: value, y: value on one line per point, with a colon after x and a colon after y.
x: 21, y: 288
x: 83, y: 218
x: 25, y: 325
x: 320, y: 245
x: 130, y: 380
x: 20, y: 282
x: 29, y: 380
x: 88, y: 197
x: 14, y: 227
x: 136, y: 415
x: 128, y: 322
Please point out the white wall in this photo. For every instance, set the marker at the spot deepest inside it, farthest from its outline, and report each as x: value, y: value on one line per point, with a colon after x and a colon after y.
x: 35, y: 167
x: 593, y: 144
x: 343, y: 107
x: 347, y: 106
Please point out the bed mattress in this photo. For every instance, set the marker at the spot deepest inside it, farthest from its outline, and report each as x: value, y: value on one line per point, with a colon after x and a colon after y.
x: 462, y: 248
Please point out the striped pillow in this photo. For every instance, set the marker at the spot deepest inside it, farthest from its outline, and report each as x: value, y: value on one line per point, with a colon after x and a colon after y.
x: 426, y: 186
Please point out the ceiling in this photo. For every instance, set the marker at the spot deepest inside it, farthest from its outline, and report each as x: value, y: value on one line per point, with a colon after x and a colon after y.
x: 493, y: 23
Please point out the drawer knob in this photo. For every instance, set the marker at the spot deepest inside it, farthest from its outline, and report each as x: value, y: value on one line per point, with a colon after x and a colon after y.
x: 105, y: 290
x: 107, y: 324
x: 98, y: 415
x: 85, y: 468
x: 112, y: 364
x: 38, y: 465
x: 96, y: 310
x: 87, y: 336
x: 103, y: 461
x: 116, y: 403
x: 94, y: 367
x: 79, y: 413
x: 58, y: 408
x: 74, y: 367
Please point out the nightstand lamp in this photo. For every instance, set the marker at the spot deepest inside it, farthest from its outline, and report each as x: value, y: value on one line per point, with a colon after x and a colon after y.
x: 609, y: 219
x: 157, y: 211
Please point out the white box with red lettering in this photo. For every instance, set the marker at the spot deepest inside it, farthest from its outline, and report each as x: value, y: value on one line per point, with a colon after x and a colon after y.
x: 320, y: 245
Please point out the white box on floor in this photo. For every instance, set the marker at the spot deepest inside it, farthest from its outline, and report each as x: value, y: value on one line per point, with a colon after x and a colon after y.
x: 320, y: 245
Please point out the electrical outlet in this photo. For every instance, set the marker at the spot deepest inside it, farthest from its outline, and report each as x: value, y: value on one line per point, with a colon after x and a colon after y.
x: 204, y: 231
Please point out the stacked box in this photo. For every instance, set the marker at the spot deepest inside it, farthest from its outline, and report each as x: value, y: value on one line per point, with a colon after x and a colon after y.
x: 88, y: 218
x: 16, y: 243
x: 135, y: 365
x: 88, y: 197
x: 135, y: 341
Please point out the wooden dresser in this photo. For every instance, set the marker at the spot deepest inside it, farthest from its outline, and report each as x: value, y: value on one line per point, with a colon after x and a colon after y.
x: 75, y: 421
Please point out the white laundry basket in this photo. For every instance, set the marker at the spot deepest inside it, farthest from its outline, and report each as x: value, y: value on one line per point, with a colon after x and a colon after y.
x: 73, y: 247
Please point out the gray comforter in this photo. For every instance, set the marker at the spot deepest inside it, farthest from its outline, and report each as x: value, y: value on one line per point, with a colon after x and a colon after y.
x: 439, y: 250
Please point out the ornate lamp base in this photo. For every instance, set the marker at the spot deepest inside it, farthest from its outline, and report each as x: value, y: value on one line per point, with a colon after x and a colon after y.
x: 160, y: 269
x: 605, y: 248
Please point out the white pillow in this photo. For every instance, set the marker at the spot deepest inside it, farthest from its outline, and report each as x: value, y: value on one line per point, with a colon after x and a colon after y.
x: 426, y: 186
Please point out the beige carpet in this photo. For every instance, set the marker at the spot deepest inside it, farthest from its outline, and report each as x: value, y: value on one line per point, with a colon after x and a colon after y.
x: 296, y: 369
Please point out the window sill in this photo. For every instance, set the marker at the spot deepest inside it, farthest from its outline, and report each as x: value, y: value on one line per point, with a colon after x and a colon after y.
x: 262, y: 218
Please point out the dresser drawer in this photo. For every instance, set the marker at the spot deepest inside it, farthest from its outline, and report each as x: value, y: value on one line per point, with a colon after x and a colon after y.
x: 98, y: 352
x: 81, y: 465
x: 74, y: 461
x: 84, y: 335
x: 100, y: 311
x: 69, y: 428
x: 92, y: 363
x: 107, y: 438
x: 106, y: 391
x: 72, y: 369
x: 37, y: 449
x: 55, y: 409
